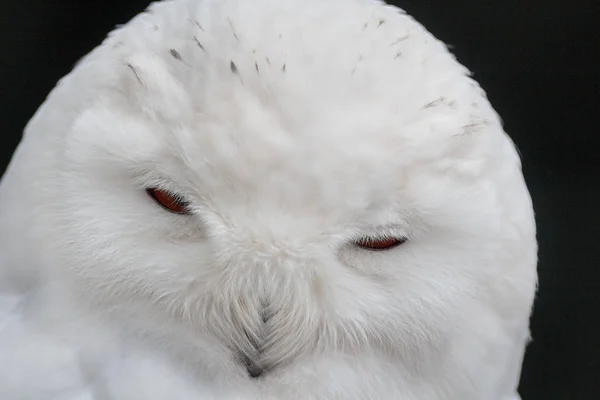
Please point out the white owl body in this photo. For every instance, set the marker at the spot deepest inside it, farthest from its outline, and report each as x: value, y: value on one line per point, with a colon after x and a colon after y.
x: 292, y: 129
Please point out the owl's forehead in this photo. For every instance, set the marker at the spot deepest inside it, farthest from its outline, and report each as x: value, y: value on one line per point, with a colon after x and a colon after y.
x: 292, y: 99
x: 303, y: 57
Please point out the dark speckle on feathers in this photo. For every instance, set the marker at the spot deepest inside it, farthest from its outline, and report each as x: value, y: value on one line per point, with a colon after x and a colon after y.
x: 474, y: 127
x: 199, y: 44
x: 175, y: 54
x: 470, y: 128
x: 233, y: 68
x: 434, y: 102
x: 135, y: 72
x: 233, y: 29
x: 400, y: 39
x: 198, y: 25
x: 360, y: 59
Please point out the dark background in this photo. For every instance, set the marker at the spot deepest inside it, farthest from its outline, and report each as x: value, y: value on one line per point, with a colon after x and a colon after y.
x: 539, y: 62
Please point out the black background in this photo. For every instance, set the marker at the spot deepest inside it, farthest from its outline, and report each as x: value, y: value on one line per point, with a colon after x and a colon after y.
x: 539, y: 62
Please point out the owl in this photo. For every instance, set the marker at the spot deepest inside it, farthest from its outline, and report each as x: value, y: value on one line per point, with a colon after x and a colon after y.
x: 266, y: 200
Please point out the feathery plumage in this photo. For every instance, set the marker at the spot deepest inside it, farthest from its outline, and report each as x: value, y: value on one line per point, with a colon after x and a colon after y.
x: 343, y: 216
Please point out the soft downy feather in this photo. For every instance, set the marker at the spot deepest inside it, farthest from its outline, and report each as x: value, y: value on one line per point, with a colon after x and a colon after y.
x: 292, y: 129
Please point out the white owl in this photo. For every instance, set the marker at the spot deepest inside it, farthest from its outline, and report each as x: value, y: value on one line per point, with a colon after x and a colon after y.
x: 265, y: 200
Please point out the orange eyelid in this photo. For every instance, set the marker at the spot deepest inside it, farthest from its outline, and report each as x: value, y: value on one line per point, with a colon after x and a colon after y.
x: 380, y: 244
x: 168, y: 201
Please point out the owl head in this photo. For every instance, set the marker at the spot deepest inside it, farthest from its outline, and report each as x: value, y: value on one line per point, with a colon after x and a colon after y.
x: 284, y: 177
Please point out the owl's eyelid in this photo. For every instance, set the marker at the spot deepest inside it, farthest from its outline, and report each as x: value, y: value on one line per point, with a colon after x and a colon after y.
x: 182, y: 198
x: 150, y: 180
x: 156, y: 194
x: 378, y: 238
x: 382, y: 232
x: 153, y: 177
x: 147, y: 179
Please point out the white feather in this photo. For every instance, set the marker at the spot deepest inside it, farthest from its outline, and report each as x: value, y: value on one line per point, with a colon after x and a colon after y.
x: 292, y: 127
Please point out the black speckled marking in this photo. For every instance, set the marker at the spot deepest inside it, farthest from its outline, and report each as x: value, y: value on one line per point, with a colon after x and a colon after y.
x: 234, y: 68
x: 175, y: 54
x: 199, y: 44
x: 135, y: 72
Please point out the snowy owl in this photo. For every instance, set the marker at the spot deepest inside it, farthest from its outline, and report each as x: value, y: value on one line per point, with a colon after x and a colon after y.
x: 265, y: 200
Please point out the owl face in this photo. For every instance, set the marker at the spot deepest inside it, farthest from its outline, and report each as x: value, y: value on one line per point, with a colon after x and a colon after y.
x: 310, y: 178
